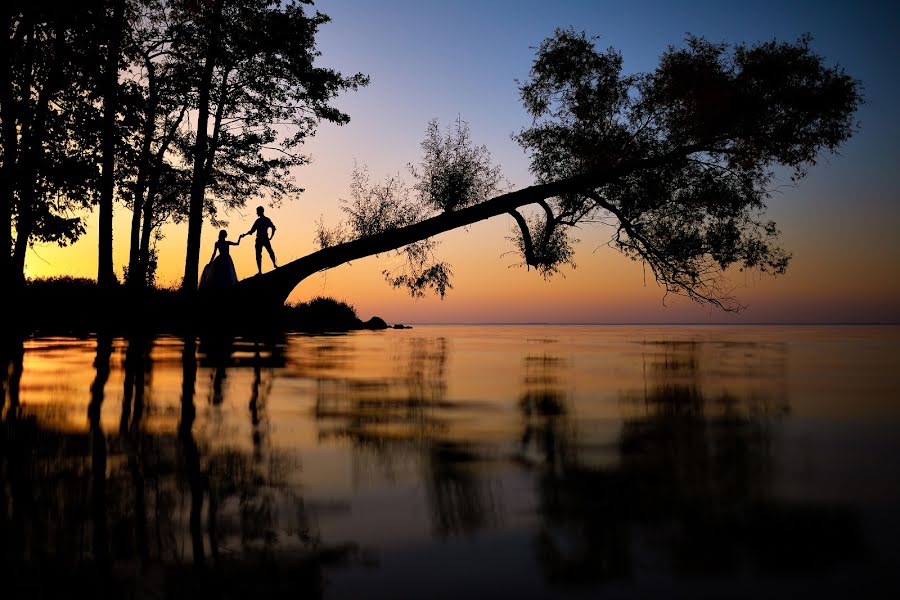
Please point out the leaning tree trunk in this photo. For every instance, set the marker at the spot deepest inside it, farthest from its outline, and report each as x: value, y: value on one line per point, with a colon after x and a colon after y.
x: 272, y: 289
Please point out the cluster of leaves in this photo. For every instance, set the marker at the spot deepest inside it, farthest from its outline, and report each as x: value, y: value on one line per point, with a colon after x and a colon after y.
x: 542, y: 244
x: 50, y: 123
x: 420, y: 270
x: 378, y: 207
x: 372, y: 208
x: 268, y: 96
x: 453, y: 173
x: 696, y: 142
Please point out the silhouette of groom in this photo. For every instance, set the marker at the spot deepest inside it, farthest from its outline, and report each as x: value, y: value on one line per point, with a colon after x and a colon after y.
x: 263, y: 240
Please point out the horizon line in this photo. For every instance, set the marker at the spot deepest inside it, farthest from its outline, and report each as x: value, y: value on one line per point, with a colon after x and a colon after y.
x: 631, y: 323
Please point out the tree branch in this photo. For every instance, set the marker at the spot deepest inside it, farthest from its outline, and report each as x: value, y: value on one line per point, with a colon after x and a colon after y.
x: 528, y: 245
x: 280, y: 282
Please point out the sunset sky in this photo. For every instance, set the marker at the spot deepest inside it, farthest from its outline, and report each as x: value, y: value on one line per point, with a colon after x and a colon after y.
x: 443, y: 59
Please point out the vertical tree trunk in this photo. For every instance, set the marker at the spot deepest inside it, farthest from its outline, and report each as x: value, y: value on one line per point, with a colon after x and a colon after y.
x: 152, y: 186
x: 99, y: 451
x: 26, y: 176
x: 217, y: 124
x: 105, y: 273
x: 10, y: 142
x: 135, y: 279
x: 198, y: 181
x: 146, y: 232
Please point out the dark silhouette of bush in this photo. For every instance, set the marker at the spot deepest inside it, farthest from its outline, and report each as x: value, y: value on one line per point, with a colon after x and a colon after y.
x: 323, y: 314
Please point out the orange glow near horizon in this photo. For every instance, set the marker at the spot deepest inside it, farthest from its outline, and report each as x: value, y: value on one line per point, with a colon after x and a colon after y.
x: 840, y: 222
x: 822, y: 285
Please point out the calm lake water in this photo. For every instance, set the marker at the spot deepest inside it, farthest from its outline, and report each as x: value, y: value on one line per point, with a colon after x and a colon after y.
x: 445, y: 461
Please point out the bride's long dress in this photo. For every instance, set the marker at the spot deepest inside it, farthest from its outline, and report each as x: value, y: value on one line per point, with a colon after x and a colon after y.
x: 220, y: 272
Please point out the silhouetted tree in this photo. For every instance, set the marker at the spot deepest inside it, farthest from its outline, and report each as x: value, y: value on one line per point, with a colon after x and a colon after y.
x: 50, y: 125
x: 96, y: 105
x: 678, y: 162
x: 157, y: 181
x: 258, y: 72
x: 109, y: 87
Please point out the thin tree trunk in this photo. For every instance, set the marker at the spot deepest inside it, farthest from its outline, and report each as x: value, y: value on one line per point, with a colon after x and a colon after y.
x: 146, y: 233
x: 217, y: 124
x: 198, y: 181
x: 32, y: 122
x: 105, y: 273
x: 10, y: 150
x: 144, y: 165
x: 152, y: 191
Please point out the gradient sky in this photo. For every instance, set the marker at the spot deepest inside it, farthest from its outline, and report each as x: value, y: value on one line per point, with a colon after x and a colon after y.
x: 443, y: 59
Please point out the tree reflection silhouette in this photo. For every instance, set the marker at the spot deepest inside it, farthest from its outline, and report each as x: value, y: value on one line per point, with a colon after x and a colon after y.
x: 685, y: 484
x: 78, y: 498
x: 138, y: 376
x: 14, y: 440
x: 98, y: 450
x: 403, y: 419
x: 189, y: 448
x: 691, y: 491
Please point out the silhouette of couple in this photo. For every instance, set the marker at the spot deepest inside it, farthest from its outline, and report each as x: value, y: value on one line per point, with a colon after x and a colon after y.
x: 220, y: 273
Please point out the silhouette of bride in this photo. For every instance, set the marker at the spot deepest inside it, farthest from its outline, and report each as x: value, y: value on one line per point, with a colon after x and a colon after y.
x: 220, y: 273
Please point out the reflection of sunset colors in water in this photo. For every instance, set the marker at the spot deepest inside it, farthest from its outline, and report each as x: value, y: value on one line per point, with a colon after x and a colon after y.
x: 526, y: 459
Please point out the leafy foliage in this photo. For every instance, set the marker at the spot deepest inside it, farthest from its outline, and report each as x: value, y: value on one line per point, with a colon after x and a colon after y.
x: 379, y: 207
x: 453, y: 172
x: 421, y: 270
x: 323, y: 314
x: 50, y: 125
x: 543, y: 246
x: 697, y: 141
x: 268, y: 95
x: 678, y: 162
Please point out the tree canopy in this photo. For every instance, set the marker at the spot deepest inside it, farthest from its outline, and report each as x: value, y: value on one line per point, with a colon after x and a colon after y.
x: 175, y: 108
x: 678, y: 162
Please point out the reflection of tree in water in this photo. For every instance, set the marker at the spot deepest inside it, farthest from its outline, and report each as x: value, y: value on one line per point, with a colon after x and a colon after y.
x: 385, y: 412
x: 692, y: 490
x: 401, y: 422
x: 15, y: 433
x: 544, y: 407
x: 155, y: 496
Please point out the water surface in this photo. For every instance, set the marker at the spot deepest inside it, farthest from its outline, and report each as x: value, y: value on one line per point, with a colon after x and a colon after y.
x: 446, y: 461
